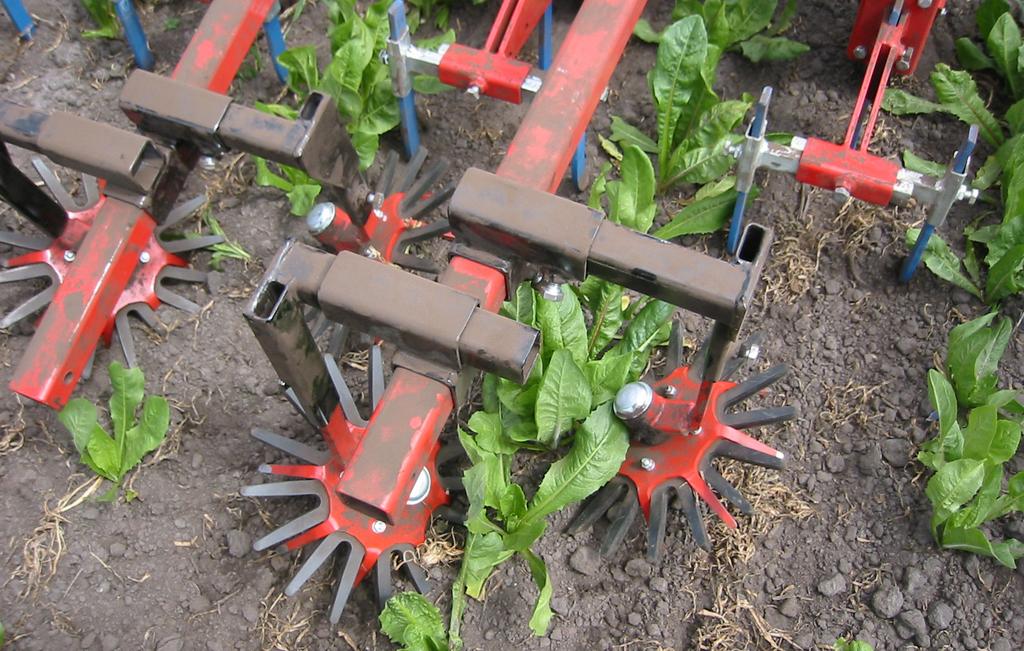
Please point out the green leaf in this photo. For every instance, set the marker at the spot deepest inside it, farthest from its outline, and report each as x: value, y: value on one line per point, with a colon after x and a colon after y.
x: 607, y: 317
x: 302, y: 198
x: 852, y: 645
x: 706, y: 215
x: 983, y: 504
x: 606, y: 376
x: 598, y: 188
x: 785, y: 18
x: 1015, y: 117
x: 79, y: 416
x: 952, y: 486
x: 562, y: 326
x: 523, y: 306
x: 303, y: 69
x: 974, y: 351
x: 483, y: 553
x: 988, y: 12
x: 1004, y: 43
x: 598, y: 450
x: 104, y: 456
x: 626, y: 134
x: 747, y: 18
x: 541, y: 616
x: 974, y: 540
x: 971, y: 56
x: 634, y: 205
x: 1004, y: 278
x: 413, y: 623
x: 149, y: 434
x: 677, y: 71
x: 915, y: 163
x: 957, y: 91
x: 102, y: 13
x: 717, y: 123
x: 942, y: 262
x: 648, y: 329
x: 772, y: 48
x: 943, y: 400
x: 563, y: 398
x: 128, y: 387
x: 900, y: 102
x: 643, y: 31
x: 266, y: 178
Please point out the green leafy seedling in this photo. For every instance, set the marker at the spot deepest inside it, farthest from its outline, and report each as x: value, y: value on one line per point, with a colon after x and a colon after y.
x: 413, y: 623
x: 225, y: 250
x: 134, y: 435
x: 842, y: 644
x: 102, y: 13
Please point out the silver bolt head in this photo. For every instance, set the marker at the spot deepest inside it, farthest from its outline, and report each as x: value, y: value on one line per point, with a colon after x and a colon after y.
x: 420, y: 489
x: 552, y: 292
x: 924, y: 4
x: 752, y: 352
x: 378, y: 526
x: 860, y: 52
x: 903, y: 65
x: 69, y: 256
x: 647, y: 464
x: 842, y: 194
x: 144, y: 257
x: 669, y: 391
x: 207, y: 162
x: 474, y: 91
x: 320, y: 217
x: 633, y: 400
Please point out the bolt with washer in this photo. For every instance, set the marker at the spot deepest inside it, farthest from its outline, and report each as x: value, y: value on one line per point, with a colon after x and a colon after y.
x: 647, y: 464
x: 69, y: 256
x: 378, y: 526
x: 669, y: 391
x: 860, y: 52
x: 144, y: 257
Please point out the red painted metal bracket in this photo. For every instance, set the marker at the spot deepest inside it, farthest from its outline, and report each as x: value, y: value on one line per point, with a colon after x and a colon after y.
x: 513, y: 25
x: 912, y: 34
x: 835, y: 166
x: 494, y: 75
x: 221, y: 41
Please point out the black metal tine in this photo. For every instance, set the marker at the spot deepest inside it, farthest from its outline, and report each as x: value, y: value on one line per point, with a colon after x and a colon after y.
x: 674, y: 354
x: 692, y: 512
x: 453, y: 483
x: 629, y: 508
x: 757, y: 417
x: 421, y: 233
x: 657, y: 521
x: 186, y: 244
x: 416, y: 191
x: 383, y: 585
x: 346, y: 580
x: 413, y: 571
x: 145, y: 314
x: 91, y: 188
x: 292, y: 447
x: 24, y: 240
x: 29, y: 307
x: 452, y: 515
x: 738, y: 452
x: 293, y: 400
x: 415, y: 263
x: 184, y: 274
x: 289, y: 488
x: 28, y: 272
x: 176, y: 300
x: 180, y: 212
x: 595, y: 506
x: 338, y: 341
x: 376, y: 373
x: 738, y: 361
x: 55, y: 186
x: 435, y: 199
x: 716, y: 481
x: 320, y: 325
x: 345, y: 399
x: 124, y: 335
x: 87, y: 371
x: 412, y: 170
x: 387, y: 174
x: 314, y: 562
x: 751, y: 386
x: 697, y: 363
x: 299, y: 525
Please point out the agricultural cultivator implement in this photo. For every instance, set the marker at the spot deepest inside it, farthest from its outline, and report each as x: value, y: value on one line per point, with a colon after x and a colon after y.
x: 890, y: 38
x: 106, y: 257
x: 22, y: 20
x: 378, y: 481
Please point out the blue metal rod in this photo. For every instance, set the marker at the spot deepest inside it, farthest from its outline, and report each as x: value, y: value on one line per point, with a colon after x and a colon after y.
x: 406, y: 103
x: 546, y: 51
x: 134, y: 34
x: 20, y: 17
x: 736, y: 223
x: 914, y: 259
x: 579, y: 163
x: 275, y: 41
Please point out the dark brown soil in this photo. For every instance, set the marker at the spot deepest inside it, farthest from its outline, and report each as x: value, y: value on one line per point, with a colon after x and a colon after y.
x: 840, y: 545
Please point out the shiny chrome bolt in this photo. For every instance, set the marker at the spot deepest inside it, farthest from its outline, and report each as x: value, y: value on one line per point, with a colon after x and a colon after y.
x: 860, y: 52
x: 473, y: 91
x: 69, y: 256
x: 669, y: 391
x: 647, y: 464
x: 144, y: 257
x: 633, y: 400
x: 378, y: 526
x: 924, y: 4
x: 320, y: 218
x: 207, y: 162
x: 420, y: 489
